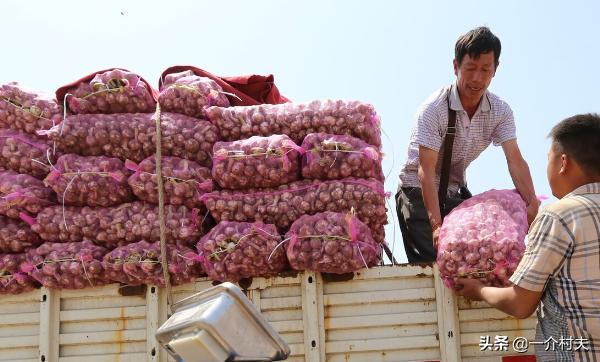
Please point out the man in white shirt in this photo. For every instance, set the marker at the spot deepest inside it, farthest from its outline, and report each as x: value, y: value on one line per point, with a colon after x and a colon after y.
x: 481, y: 118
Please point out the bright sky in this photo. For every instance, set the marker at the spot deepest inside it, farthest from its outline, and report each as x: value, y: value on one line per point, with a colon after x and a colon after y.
x: 392, y: 54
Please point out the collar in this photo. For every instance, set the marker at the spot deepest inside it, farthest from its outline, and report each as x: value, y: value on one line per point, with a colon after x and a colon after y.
x: 484, y: 104
x: 592, y: 188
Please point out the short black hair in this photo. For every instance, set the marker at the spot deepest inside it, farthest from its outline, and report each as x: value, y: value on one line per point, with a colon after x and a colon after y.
x: 579, y: 137
x: 476, y: 42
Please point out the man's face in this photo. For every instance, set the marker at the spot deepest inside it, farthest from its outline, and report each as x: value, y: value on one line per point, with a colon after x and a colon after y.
x: 474, y: 75
x: 553, y: 172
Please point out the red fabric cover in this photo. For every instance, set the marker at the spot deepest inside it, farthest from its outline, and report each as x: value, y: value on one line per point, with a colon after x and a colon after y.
x: 62, y: 91
x: 522, y: 358
x: 251, y: 89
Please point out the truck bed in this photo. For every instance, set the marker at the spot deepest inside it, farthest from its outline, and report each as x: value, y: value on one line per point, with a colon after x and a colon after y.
x: 385, y: 313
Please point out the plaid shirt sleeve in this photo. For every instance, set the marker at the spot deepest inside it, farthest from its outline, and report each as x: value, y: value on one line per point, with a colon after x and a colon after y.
x: 428, y: 132
x: 506, y: 129
x: 550, y: 242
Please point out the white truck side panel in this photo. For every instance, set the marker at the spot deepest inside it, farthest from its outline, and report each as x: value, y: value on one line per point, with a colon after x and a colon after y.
x: 386, y: 313
x: 20, y: 327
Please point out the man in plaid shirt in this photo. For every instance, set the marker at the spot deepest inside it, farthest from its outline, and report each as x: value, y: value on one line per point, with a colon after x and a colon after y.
x: 482, y: 118
x: 561, y: 265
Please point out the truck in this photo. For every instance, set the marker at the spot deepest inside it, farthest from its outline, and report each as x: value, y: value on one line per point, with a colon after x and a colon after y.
x: 400, y: 312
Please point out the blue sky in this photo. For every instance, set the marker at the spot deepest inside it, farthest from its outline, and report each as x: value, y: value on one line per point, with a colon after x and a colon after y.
x: 392, y: 54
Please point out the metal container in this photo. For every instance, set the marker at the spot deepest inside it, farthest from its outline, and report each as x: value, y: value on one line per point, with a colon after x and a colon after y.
x: 220, y: 324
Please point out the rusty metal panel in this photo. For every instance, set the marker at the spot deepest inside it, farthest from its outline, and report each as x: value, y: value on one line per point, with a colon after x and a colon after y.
x: 279, y: 299
x: 378, y: 314
x: 119, y: 357
x: 102, y: 324
x: 477, y: 320
x: 381, y: 314
x: 280, y: 302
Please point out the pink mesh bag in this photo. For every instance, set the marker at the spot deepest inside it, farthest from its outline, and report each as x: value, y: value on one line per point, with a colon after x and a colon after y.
x: 66, y: 265
x: 119, y: 225
x: 25, y: 153
x: 483, y: 238
x: 12, y: 279
x: 21, y: 193
x: 140, y: 263
x: 332, y: 157
x: 16, y: 236
x: 256, y: 162
x: 283, y: 205
x: 26, y: 110
x: 189, y: 94
x: 331, y: 242
x: 90, y: 181
x: 296, y: 120
x: 235, y: 250
x: 184, y: 181
x: 132, y: 136
x: 111, y: 91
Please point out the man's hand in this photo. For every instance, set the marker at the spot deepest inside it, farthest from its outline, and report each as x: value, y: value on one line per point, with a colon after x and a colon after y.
x: 470, y: 288
x: 532, y: 210
x: 436, y: 235
x: 514, y: 300
x: 521, y: 176
x: 427, y: 163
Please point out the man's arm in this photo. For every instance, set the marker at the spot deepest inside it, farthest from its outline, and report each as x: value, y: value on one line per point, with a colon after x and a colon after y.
x: 519, y: 172
x: 514, y: 300
x: 427, y: 161
x: 549, y: 240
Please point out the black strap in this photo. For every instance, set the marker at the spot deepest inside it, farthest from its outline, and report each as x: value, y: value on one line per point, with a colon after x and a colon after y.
x: 447, y: 157
x: 389, y: 254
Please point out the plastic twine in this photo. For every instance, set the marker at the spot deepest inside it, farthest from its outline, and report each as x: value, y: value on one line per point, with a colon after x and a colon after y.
x: 164, y: 260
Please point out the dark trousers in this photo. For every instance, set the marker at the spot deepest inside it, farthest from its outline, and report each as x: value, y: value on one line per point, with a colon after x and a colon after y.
x: 414, y: 223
